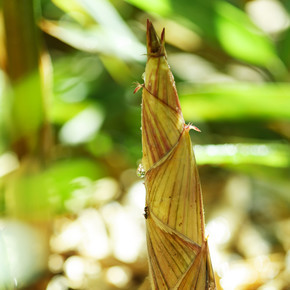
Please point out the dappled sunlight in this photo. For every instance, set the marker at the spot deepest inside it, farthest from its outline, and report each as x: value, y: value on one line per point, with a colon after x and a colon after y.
x: 276, y: 155
x: 115, y: 231
x: 269, y: 15
x: 8, y: 163
x: 82, y: 127
x: 23, y: 253
x: 119, y: 276
x: 254, y: 263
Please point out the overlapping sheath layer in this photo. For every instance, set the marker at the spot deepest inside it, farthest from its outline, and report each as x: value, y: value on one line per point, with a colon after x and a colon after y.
x: 177, y: 247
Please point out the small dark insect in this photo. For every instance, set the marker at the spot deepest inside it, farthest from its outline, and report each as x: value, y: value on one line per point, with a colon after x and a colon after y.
x: 146, y: 212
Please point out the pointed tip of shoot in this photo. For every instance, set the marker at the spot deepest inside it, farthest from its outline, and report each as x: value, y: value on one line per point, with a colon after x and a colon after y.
x: 155, y: 46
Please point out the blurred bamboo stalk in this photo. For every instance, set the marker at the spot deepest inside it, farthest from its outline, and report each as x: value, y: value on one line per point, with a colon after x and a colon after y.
x: 22, y: 38
x: 28, y: 135
x: 177, y: 246
x: 27, y: 130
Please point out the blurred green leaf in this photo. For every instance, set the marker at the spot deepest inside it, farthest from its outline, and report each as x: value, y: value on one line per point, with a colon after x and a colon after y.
x: 235, y: 101
x: 269, y: 154
x: 243, y: 40
x: 62, y: 112
x: 74, y: 10
x: 82, y: 127
x: 161, y: 7
x: 114, y: 67
x: 109, y: 35
x: 24, y: 105
x: 221, y: 22
x: 101, y: 145
x: 74, y: 78
x: 284, y: 47
x: 38, y: 194
x: 60, y: 176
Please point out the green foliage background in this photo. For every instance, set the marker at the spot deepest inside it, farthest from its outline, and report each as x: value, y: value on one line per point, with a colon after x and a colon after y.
x: 67, y: 108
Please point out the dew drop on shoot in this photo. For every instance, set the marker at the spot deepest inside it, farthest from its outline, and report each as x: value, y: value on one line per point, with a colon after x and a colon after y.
x: 140, y: 171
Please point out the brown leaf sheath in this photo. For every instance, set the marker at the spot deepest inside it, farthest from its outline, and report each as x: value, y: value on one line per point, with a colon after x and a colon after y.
x: 177, y: 247
x: 162, y: 120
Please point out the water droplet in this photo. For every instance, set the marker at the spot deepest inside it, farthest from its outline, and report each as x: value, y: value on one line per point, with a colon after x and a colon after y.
x: 141, y: 171
x: 143, y: 76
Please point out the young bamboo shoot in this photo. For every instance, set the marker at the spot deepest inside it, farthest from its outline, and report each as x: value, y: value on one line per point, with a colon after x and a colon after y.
x: 177, y: 246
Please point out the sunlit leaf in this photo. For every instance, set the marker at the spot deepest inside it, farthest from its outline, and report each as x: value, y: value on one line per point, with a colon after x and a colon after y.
x: 83, y: 127
x: 272, y: 155
x: 59, y: 179
x: 162, y: 7
x: 109, y: 34
x: 38, y: 193
x: 26, y: 94
x: 243, y: 40
x: 236, y: 101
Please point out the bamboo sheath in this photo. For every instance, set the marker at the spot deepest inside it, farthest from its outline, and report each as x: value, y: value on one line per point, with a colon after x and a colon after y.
x: 177, y: 247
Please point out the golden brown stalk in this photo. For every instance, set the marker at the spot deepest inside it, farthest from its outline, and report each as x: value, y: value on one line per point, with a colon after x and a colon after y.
x: 177, y: 247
